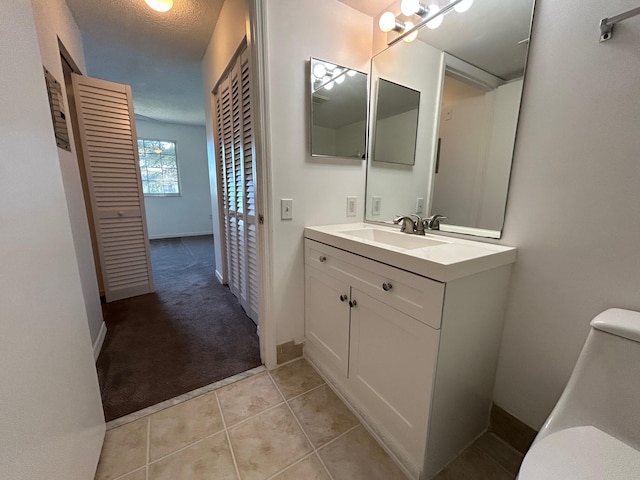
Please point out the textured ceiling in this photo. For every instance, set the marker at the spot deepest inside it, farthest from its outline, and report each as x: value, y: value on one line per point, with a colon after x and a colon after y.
x: 158, y: 54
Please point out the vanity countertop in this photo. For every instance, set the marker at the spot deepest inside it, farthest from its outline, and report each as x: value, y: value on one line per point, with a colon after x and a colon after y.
x: 441, y: 258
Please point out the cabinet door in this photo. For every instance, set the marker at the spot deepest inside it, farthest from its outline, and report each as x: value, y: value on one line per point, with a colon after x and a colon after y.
x: 391, y: 370
x: 327, y: 318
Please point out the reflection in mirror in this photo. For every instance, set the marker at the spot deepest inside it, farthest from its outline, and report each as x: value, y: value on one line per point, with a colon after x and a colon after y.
x: 396, y: 123
x: 469, y: 71
x: 338, y: 110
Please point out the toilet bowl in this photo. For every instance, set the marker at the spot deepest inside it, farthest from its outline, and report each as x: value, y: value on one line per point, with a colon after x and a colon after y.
x: 594, y: 430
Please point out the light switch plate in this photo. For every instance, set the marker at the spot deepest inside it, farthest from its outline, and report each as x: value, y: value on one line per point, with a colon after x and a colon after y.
x: 376, y: 206
x: 352, y: 206
x: 286, y: 209
x: 420, y: 205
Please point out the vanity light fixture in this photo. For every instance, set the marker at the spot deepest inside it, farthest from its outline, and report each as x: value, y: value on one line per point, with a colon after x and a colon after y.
x: 319, y: 71
x: 388, y: 22
x: 352, y: 73
x: 411, y: 37
x: 463, y: 6
x: 160, y: 5
x: 436, y: 22
x: 414, y: 7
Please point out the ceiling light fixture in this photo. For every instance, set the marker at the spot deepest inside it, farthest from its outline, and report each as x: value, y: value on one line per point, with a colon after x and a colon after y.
x: 160, y: 5
x: 463, y: 6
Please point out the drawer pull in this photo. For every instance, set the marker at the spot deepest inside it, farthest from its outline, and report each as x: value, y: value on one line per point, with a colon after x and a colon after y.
x: 322, y: 259
x: 352, y: 303
x: 386, y: 286
x: 343, y: 298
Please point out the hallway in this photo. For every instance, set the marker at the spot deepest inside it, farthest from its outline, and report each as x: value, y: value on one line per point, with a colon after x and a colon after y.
x: 191, y: 332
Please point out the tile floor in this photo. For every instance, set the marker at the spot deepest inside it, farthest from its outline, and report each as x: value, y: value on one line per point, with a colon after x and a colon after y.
x: 286, y: 424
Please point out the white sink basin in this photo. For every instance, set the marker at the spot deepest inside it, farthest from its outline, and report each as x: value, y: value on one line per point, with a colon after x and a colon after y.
x: 399, y: 240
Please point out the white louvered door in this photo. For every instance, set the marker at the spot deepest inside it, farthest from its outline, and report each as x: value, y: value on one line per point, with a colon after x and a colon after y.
x: 110, y: 153
x: 236, y: 175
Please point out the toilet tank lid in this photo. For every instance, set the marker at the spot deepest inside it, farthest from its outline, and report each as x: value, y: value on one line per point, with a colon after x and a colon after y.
x: 580, y: 453
x: 620, y: 322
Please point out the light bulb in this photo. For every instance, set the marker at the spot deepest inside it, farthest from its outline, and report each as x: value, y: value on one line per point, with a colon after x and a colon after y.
x: 463, y: 6
x: 436, y: 22
x: 330, y: 66
x: 387, y: 22
x: 340, y: 79
x: 329, y: 86
x: 319, y: 71
x: 409, y: 38
x: 160, y: 5
x: 409, y: 7
x: 352, y: 73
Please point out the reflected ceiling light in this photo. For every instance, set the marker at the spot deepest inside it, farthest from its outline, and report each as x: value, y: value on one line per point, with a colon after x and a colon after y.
x: 463, y: 6
x: 351, y: 73
x: 160, y: 5
x: 329, y: 86
x: 319, y: 71
x: 388, y: 22
x: 414, y: 7
x: 410, y: 38
x: 339, y: 78
x: 436, y: 22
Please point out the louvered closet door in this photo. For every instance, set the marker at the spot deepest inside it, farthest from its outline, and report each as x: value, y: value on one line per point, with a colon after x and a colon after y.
x: 110, y: 154
x: 236, y: 173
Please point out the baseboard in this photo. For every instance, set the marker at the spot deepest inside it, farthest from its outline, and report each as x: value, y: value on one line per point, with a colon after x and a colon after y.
x: 97, y: 345
x: 178, y: 235
x: 219, y: 276
x: 288, y: 351
x: 512, y: 431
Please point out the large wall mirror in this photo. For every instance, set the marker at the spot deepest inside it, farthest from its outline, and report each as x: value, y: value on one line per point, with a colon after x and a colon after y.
x: 469, y: 71
x: 338, y: 110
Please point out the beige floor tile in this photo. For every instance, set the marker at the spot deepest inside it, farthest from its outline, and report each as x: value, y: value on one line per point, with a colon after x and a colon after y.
x: 137, y: 475
x: 308, y: 469
x: 243, y: 399
x: 472, y: 463
x: 322, y: 415
x: 124, y: 450
x: 209, y: 459
x: 508, y: 457
x: 296, y: 378
x: 178, y: 426
x: 357, y: 456
x: 267, y: 443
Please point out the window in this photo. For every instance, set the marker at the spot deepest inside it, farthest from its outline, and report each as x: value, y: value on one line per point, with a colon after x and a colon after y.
x: 159, y: 167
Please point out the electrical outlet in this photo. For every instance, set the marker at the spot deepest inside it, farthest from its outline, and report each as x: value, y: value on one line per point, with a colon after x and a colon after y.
x: 448, y: 115
x: 420, y: 205
x: 376, y: 206
x: 286, y: 209
x: 352, y: 206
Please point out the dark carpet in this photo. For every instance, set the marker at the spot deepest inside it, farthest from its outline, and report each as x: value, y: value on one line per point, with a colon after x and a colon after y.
x: 191, y: 332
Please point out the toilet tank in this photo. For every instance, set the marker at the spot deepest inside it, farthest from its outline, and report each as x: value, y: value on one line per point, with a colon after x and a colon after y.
x: 604, y: 388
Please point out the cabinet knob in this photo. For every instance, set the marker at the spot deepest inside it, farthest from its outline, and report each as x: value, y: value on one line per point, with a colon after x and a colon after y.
x: 120, y: 213
x: 352, y: 303
x: 322, y: 259
x: 343, y: 298
x: 386, y: 286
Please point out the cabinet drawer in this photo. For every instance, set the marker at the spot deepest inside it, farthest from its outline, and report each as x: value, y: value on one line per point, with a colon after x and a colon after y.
x: 418, y: 297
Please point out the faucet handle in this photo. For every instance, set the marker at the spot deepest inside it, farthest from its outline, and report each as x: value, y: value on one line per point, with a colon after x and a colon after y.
x: 408, y: 225
x: 419, y: 224
x: 433, y: 222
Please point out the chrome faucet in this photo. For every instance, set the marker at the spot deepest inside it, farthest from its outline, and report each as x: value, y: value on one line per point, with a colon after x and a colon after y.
x: 408, y: 225
x: 433, y: 222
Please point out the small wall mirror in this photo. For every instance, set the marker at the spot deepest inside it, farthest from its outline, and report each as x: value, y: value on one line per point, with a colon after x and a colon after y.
x: 468, y: 66
x: 338, y: 110
x: 396, y: 123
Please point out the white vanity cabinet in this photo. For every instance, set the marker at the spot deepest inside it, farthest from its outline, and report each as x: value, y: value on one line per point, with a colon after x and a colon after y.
x: 413, y: 356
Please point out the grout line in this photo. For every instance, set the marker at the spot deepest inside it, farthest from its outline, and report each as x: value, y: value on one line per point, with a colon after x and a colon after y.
x: 226, y: 432
x: 313, y: 447
x: 139, y: 469
x: 242, y: 422
x: 292, y: 465
x: 148, y: 446
x: 490, y: 457
x: 186, y: 446
x: 308, y: 391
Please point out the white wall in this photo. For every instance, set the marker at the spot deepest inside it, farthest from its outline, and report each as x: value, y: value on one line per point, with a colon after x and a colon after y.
x: 574, y: 201
x: 51, y: 418
x: 53, y: 20
x: 298, y: 30
x: 227, y: 36
x: 189, y: 213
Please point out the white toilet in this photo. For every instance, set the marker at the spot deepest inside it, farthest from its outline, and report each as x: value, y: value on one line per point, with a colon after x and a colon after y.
x: 594, y: 430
